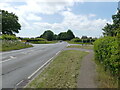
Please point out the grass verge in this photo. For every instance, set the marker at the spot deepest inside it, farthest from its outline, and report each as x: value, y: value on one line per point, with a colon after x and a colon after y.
x: 8, y: 45
x: 104, y: 78
x: 70, y: 42
x: 62, y: 72
x: 79, y: 46
x: 43, y: 42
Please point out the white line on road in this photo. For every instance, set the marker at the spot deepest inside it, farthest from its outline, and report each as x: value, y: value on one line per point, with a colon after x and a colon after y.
x: 11, y: 57
x: 19, y: 83
x: 42, y: 66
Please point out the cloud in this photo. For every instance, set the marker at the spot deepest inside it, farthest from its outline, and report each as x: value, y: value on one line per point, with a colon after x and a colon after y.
x: 80, y: 24
x: 34, y: 17
x: 30, y: 9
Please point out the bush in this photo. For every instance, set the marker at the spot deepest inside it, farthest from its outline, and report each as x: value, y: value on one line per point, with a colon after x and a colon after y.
x: 106, y: 51
x: 8, y: 37
x: 76, y: 40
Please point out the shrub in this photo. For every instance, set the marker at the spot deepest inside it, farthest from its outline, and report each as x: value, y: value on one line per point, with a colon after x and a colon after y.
x: 8, y: 37
x: 106, y: 51
x: 76, y: 40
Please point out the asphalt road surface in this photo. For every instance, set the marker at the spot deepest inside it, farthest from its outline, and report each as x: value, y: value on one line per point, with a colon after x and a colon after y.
x: 18, y: 65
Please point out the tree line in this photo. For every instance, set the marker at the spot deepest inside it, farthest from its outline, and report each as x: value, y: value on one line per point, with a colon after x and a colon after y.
x: 49, y: 35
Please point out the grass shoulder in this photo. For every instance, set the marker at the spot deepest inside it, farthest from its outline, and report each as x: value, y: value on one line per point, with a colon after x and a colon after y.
x: 104, y: 78
x: 62, y: 72
x: 43, y: 42
x: 80, y: 46
x: 71, y: 42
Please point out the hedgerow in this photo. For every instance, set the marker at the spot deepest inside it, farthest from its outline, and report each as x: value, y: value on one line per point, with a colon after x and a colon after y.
x: 107, y: 53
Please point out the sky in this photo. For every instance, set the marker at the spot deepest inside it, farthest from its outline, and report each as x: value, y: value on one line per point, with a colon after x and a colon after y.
x: 83, y: 17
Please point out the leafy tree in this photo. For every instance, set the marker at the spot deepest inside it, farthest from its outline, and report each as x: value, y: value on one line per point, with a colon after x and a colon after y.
x: 70, y: 35
x: 84, y: 37
x: 66, y: 35
x: 49, y: 35
x: 55, y: 37
x: 62, y: 36
x: 112, y: 29
x: 10, y: 23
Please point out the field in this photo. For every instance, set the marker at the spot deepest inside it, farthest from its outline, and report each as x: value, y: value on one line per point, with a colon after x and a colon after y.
x: 62, y: 72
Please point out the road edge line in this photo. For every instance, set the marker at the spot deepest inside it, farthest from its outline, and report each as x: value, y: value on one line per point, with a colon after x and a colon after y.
x: 33, y: 74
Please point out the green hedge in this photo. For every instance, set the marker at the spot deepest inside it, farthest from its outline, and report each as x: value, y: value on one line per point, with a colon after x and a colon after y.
x: 8, y: 37
x: 106, y: 51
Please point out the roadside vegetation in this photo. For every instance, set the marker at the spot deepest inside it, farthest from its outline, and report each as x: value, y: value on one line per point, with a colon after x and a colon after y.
x: 107, y: 54
x: 9, y: 42
x: 80, y: 46
x: 62, y: 72
x: 83, y: 40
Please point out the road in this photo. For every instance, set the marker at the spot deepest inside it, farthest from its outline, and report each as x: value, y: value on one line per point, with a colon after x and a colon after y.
x: 18, y: 65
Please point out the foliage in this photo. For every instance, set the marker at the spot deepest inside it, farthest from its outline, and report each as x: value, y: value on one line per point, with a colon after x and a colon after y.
x: 84, y: 39
x: 8, y: 37
x: 70, y: 35
x: 106, y: 52
x: 33, y: 39
x: 112, y: 29
x: 66, y: 35
x: 76, y: 40
x: 49, y: 35
x: 7, y: 45
x: 10, y: 24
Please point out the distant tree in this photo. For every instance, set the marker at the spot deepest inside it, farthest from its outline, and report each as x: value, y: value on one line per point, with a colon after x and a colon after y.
x: 70, y: 35
x: 55, y: 37
x: 84, y: 37
x: 62, y: 36
x: 49, y: 35
x: 10, y: 24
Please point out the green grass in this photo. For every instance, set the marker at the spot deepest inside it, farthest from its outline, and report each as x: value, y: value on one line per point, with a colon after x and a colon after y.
x: 80, y: 46
x: 62, y: 72
x: 104, y: 78
x: 43, y: 42
x: 10, y: 45
x: 70, y: 42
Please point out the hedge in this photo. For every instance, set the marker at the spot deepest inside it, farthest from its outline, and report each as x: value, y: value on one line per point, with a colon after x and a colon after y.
x: 107, y: 53
x: 8, y: 37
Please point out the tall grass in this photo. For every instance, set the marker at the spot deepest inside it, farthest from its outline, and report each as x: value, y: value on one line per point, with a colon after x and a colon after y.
x: 6, y: 45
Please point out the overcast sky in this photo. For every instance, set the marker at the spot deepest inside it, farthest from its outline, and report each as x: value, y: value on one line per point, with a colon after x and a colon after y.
x: 81, y: 16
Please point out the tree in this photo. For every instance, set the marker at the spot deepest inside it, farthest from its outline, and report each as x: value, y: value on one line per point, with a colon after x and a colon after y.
x: 112, y: 29
x: 49, y: 35
x: 62, y: 36
x: 70, y: 35
x: 66, y: 35
x: 10, y: 23
x: 84, y: 37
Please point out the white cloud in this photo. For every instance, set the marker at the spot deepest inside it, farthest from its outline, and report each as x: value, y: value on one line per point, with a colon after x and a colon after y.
x: 78, y: 23
x: 34, y: 17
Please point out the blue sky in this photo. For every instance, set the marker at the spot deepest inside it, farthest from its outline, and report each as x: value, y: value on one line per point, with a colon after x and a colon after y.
x: 83, y: 18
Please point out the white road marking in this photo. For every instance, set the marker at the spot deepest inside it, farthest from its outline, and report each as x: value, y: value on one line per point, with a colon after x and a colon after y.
x: 42, y: 66
x: 19, y: 82
x: 11, y: 57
